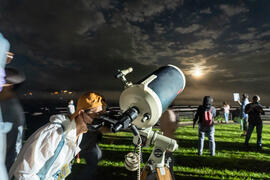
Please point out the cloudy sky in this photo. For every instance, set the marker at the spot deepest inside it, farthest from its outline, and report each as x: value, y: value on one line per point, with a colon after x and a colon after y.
x: 79, y: 45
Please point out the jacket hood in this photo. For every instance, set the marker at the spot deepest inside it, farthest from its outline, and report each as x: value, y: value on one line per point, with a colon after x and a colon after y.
x: 207, y: 102
x: 62, y: 119
x: 58, y: 118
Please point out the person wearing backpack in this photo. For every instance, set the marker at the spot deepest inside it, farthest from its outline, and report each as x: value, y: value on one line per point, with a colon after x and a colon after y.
x: 206, y: 113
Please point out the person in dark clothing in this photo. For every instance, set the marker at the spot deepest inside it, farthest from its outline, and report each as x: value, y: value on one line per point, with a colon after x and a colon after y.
x: 205, y: 128
x: 254, y: 111
x: 92, y: 154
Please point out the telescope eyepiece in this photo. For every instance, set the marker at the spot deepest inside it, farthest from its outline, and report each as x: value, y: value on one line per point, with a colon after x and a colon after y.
x: 127, y: 117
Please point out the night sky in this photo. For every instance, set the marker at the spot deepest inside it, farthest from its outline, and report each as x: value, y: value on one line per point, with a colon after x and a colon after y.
x: 78, y: 45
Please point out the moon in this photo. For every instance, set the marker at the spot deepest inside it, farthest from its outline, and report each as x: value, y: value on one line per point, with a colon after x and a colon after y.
x: 197, y: 73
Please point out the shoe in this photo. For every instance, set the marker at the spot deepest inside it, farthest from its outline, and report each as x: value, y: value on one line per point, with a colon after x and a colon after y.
x: 246, y: 146
x: 259, y: 148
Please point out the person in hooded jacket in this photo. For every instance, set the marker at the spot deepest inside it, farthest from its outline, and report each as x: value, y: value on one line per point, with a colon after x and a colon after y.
x: 47, y: 154
x: 204, y: 128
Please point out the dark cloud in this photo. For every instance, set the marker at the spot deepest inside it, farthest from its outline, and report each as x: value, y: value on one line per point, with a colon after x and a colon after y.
x: 79, y: 45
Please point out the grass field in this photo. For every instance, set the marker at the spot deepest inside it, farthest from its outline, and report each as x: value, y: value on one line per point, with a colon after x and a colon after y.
x: 232, y: 160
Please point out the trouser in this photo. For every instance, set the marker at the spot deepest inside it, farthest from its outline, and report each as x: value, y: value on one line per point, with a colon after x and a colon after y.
x: 92, y: 157
x: 226, y: 116
x: 259, y: 127
x: 243, y: 124
x: 210, y: 132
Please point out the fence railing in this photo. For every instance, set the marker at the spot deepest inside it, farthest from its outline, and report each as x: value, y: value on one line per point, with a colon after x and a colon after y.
x: 183, y: 112
x: 188, y: 112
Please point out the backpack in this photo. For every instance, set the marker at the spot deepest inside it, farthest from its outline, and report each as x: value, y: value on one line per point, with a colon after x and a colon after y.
x: 208, y: 118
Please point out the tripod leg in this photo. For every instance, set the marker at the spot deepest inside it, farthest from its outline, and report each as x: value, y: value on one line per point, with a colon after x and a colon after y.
x: 144, y: 173
x: 163, y: 174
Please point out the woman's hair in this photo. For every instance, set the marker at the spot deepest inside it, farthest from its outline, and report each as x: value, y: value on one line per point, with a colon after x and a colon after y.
x: 87, y: 101
x: 245, y: 95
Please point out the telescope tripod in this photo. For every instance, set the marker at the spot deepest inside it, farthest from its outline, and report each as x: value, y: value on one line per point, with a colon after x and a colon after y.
x: 161, y: 173
x: 156, y: 162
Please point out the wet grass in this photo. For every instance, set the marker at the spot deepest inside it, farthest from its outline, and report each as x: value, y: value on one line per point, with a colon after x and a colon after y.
x: 232, y: 160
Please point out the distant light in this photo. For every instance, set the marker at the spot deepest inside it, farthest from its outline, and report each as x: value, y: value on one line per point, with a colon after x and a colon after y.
x: 56, y: 92
x: 37, y: 113
x: 65, y: 91
x: 30, y: 93
x: 197, y: 73
x: 70, y: 92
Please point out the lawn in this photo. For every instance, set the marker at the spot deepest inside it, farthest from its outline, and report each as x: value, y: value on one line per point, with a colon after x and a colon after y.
x: 232, y: 160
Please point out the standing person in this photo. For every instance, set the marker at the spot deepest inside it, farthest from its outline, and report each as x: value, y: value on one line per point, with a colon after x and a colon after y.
x: 226, y: 108
x: 91, y: 152
x: 5, y: 57
x: 71, y: 107
x: 243, y: 115
x: 254, y: 111
x: 206, y: 113
x: 47, y: 153
x: 12, y: 112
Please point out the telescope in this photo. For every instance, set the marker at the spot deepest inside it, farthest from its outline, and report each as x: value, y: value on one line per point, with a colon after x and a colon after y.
x: 142, y: 105
x: 144, y: 102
